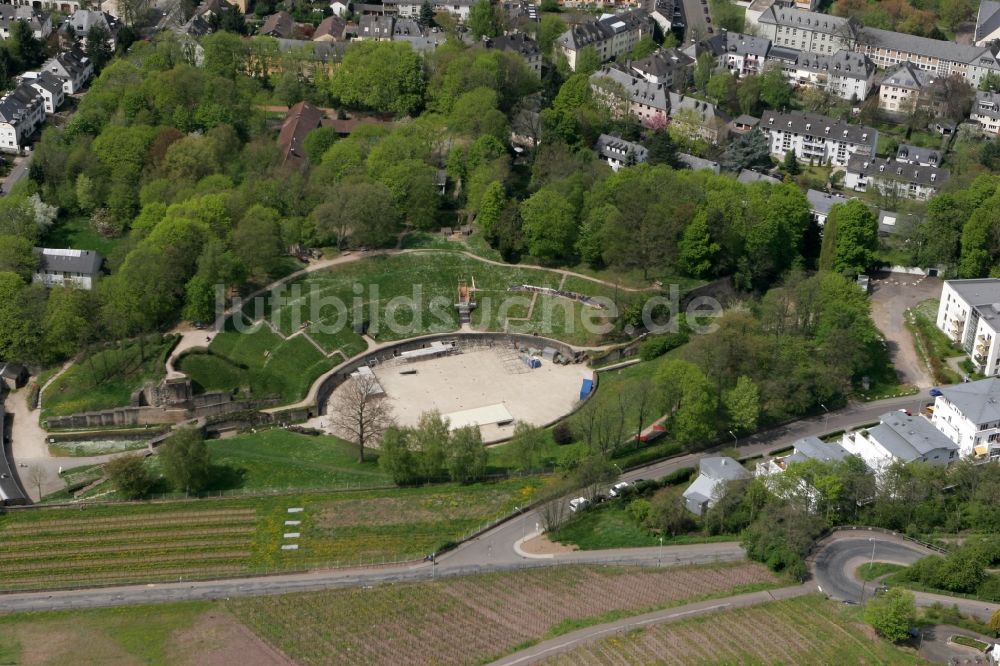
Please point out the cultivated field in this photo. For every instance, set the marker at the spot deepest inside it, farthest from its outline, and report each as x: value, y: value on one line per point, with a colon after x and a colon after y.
x: 807, y: 630
x: 56, y: 548
x: 471, y: 619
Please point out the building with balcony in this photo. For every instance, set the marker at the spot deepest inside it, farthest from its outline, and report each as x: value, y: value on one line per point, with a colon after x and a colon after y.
x: 969, y: 415
x: 969, y: 314
x: 894, y: 178
x: 900, y: 438
x: 986, y: 112
x: 815, y: 138
x: 845, y: 74
x: 734, y: 52
x: 612, y: 35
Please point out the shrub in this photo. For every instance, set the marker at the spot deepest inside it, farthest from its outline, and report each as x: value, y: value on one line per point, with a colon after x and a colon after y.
x: 678, y: 476
x: 638, y: 510
x: 563, y: 433
x: 658, y: 345
x: 892, y: 614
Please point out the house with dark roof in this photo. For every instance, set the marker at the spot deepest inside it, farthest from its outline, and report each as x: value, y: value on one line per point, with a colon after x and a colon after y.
x: 72, y: 67
x: 987, y: 23
x: 733, y: 51
x: 618, y: 152
x: 805, y: 30
x: 83, y: 20
x: 299, y: 121
x: 805, y: 449
x: 698, y: 118
x: 698, y: 163
x: 671, y: 67
x: 744, y: 123
x: 41, y: 26
x: 969, y: 314
x: 904, y: 88
x: 715, y: 472
x: 820, y: 204
x: 812, y: 137
x: 969, y: 415
x: 891, y: 222
x: 49, y: 86
x: 58, y: 267
x: 375, y: 27
x: 900, y: 437
x: 280, y: 24
x: 909, y: 181
x: 330, y: 29
x: 941, y: 58
x: 22, y: 112
x: 521, y: 44
x: 986, y: 112
x: 611, y: 35
x: 844, y: 74
x: 647, y: 102
x: 910, y: 154
x: 748, y: 176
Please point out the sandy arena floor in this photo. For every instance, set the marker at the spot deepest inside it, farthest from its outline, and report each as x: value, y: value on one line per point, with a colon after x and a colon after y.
x: 481, y: 378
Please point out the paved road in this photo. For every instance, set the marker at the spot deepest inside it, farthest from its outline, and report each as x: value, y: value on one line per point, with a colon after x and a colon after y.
x: 694, y: 19
x: 16, y: 175
x: 892, y: 295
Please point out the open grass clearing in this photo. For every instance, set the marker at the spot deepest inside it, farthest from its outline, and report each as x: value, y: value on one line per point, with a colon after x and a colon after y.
x: 487, y: 615
x: 76, y: 232
x: 106, y: 378
x: 806, y: 630
x: 876, y: 570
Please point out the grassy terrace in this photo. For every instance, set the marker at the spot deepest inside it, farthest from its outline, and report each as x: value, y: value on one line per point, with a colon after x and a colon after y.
x: 92, y: 545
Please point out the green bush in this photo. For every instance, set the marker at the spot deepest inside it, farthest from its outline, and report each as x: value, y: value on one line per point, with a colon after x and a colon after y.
x: 562, y: 434
x: 658, y: 345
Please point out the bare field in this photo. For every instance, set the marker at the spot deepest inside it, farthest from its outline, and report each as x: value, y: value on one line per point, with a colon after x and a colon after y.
x: 471, y: 619
x: 806, y: 630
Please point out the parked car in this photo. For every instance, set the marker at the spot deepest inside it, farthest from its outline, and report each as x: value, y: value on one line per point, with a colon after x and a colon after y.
x: 907, y: 412
x: 578, y: 503
x: 619, y: 488
x: 935, y: 392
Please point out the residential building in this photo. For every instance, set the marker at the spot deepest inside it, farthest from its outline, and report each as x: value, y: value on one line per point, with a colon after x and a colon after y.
x: 526, y: 129
x: 521, y: 44
x: 340, y: 8
x: 904, y: 88
x: 671, y: 67
x: 890, y: 223
x: 758, y: 7
x: 41, y: 26
x: 647, y: 102
x: 969, y: 415
x: 807, y: 448
x: 845, y: 74
x: 910, y: 154
x: 72, y: 67
x: 611, y: 35
x: 733, y: 51
x: 987, y: 23
x: 820, y: 204
x: 65, y: 7
x: 411, y: 8
x: 888, y: 49
x: 698, y: 118
x: 522, y: 15
x: 330, y: 29
x: 969, y: 314
x: 668, y: 14
x: 714, y: 473
x: 376, y: 27
x: 748, y: 176
x: 83, y: 20
x: 419, y: 39
x: 909, y: 181
x: 698, y: 163
x: 903, y: 438
x: 57, y: 267
x: 618, y: 152
x: 49, y: 86
x: 986, y: 112
x: 813, y: 137
x: 22, y: 111
x: 280, y: 24
x: 299, y: 121
x: 805, y: 30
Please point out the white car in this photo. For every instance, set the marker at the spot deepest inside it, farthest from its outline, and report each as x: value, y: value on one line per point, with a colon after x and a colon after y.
x: 619, y: 488
x: 578, y: 503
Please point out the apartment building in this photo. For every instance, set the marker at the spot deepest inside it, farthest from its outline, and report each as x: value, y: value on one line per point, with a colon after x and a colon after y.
x: 969, y: 314
x: 889, y: 176
x: 900, y: 437
x: 618, y: 152
x: 612, y: 35
x: 22, y: 112
x: 986, y: 112
x: 733, y: 51
x: 806, y: 30
x: 647, y: 102
x: 671, y: 67
x: 969, y: 415
x: 815, y: 137
x: 845, y: 74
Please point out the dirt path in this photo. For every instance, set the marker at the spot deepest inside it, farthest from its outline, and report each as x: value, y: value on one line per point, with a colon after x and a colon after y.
x: 893, y: 294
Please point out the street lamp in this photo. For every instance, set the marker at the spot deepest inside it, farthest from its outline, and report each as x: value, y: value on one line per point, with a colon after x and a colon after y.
x: 826, y: 417
x: 736, y: 440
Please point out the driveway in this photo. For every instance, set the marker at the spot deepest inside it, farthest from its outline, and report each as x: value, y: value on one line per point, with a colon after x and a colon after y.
x: 934, y: 645
x: 892, y: 295
x: 18, y: 173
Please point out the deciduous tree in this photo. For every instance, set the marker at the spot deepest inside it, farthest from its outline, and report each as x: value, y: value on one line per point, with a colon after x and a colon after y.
x: 361, y: 411
x: 186, y: 460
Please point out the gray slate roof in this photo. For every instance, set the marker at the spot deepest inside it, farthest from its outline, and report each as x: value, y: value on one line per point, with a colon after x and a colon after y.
x: 844, y: 63
x: 747, y: 176
x: 908, y: 438
x: 591, y: 32
x: 47, y: 81
x: 87, y: 262
x: 697, y: 163
x: 907, y: 75
x: 988, y: 19
x: 936, y: 48
x: 638, y: 89
x: 984, y: 295
x: 616, y: 148
x: 18, y: 103
x: 662, y: 62
x: 889, y: 169
x: 891, y: 222
x: 730, y: 42
x: 910, y: 153
x: 803, y: 20
x: 706, y: 111
x: 987, y: 104
x: 813, y: 448
x: 978, y: 401
x: 822, y: 202
x: 517, y: 42
x: 813, y: 124
x: 722, y: 468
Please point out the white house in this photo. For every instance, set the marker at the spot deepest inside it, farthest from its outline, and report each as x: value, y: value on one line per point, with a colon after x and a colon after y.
x: 910, y: 154
x: 72, y: 67
x: 807, y: 448
x: 900, y: 438
x: 340, y: 8
x: 39, y: 23
x: 84, y: 19
x: 969, y: 414
x: 820, y: 204
x: 845, y: 74
x: 969, y: 314
x: 618, y: 152
x: 814, y: 137
x: 986, y: 112
x: 987, y: 23
x: 49, y: 86
x: 709, y: 487
x: 22, y: 111
x: 611, y: 35
x: 58, y: 267
x: 733, y: 51
x: 909, y: 181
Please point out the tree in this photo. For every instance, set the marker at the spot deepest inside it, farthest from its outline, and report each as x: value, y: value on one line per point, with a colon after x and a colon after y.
x: 689, y: 401
x: 774, y: 89
x: 357, y: 213
x: 382, y: 76
x: 722, y: 87
x: 850, y: 239
x: 995, y: 622
x: 791, y: 164
x: 644, y: 47
x: 668, y: 514
x: 491, y: 207
x: 548, y: 224
x: 98, y: 47
x: 361, y: 411
x: 698, y: 250
x: 588, y: 61
x: 465, y: 455
x: 549, y: 30
x: 990, y: 82
x: 661, y: 149
x: 396, y: 457
x: 257, y: 241
x: 25, y: 47
x: 747, y: 151
x: 318, y: 142
x: 781, y: 535
x: 17, y: 256
x: 185, y: 460
x: 742, y: 404
x: 526, y: 446
x: 483, y: 20
x: 129, y: 476
x: 703, y: 70
x: 426, y: 19
x: 67, y: 322
x: 892, y: 614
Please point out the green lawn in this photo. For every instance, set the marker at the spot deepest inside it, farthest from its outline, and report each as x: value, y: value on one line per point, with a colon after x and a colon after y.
x: 76, y: 232
x: 931, y: 343
x: 604, y: 526
x: 281, y: 459
x: 107, y: 378
x: 877, y: 570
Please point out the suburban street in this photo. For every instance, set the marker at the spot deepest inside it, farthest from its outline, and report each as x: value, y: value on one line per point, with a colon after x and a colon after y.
x: 18, y: 173
x: 694, y: 19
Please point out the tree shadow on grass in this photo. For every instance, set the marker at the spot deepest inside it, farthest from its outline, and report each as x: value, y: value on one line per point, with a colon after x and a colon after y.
x: 225, y: 477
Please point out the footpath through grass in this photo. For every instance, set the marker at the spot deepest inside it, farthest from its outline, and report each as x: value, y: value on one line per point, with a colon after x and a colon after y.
x: 107, y: 378
x: 153, y: 542
x: 806, y: 630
